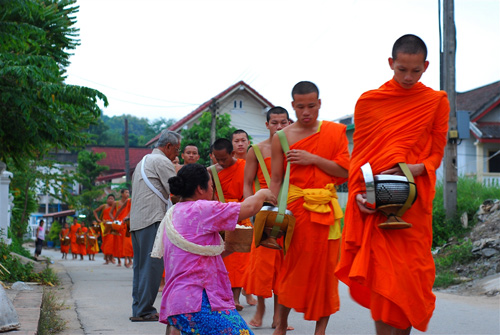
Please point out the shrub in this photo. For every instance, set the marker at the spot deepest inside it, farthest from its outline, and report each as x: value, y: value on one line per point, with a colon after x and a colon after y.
x: 470, y: 194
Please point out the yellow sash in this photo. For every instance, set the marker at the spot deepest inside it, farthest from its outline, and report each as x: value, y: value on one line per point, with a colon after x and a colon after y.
x: 317, y: 200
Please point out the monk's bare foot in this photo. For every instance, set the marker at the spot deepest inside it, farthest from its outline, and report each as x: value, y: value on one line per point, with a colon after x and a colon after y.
x: 251, y: 300
x: 239, y: 307
x: 160, y: 289
x: 287, y: 328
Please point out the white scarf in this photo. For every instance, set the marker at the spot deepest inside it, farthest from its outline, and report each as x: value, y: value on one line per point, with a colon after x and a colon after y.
x: 179, y: 241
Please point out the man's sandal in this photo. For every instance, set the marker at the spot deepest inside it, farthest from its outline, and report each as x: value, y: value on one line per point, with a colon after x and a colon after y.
x: 145, y: 318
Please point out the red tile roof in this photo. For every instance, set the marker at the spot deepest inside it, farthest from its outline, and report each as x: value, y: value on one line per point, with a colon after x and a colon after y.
x: 479, y: 100
x: 115, y: 157
x: 205, y: 106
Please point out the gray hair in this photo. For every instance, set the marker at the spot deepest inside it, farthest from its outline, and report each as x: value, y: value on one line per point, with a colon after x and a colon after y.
x: 168, y: 136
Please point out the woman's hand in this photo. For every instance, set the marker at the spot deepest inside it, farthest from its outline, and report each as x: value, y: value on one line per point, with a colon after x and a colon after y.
x: 268, y: 196
x: 361, y: 201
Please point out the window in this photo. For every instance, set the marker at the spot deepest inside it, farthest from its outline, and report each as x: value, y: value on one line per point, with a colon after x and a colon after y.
x: 494, y: 161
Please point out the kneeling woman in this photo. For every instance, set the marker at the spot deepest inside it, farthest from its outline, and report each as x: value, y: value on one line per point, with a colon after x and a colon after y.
x: 197, y: 298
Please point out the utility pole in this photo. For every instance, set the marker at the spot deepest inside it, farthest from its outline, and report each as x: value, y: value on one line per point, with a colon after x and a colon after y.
x: 213, y: 110
x: 448, y: 81
x: 127, y: 161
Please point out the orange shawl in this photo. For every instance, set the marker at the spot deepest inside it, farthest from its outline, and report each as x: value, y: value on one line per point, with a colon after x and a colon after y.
x: 395, y: 125
x: 306, y: 280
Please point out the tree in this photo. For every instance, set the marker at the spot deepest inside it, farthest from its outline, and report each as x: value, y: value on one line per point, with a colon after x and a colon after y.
x: 86, y: 174
x: 39, y: 111
x: 199, y: 134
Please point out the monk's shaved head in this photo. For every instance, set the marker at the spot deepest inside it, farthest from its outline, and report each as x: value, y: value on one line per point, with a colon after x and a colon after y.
x: 223, y: 144
x: 304, y: 87
x: 409, y: 44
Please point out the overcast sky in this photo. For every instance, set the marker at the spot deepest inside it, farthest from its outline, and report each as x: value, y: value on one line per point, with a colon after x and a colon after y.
x: 164, y: 58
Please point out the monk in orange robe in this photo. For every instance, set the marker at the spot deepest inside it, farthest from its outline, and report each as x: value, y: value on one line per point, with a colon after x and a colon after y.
x: 82, y: 246
x: 231, y: 175
x: 123, y: 205
x: 122, y: 215
x: 92, y: 245
x: 262, y: 272
x: 319, y: 160
x: 107, y: 238
x: 75, y: 227
x: 392, y: 272
x: 65, y: 240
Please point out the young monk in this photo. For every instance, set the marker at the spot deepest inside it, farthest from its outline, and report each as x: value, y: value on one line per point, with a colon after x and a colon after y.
x: 75, y: 227
x: 107, y: 238
x: 124, y: 245
x: 197, y: 298
x: 240, y: 142
x: 319, y: 161
x: 231, y: 175
x: 92, y: 245
x: 65, y: 240
x: 264, y: 265
x: 391, y: 272
x: 82, y: 243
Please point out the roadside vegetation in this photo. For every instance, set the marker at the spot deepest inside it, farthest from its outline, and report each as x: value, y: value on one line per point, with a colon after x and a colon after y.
x: 50, y: 321
x: 451, y: 235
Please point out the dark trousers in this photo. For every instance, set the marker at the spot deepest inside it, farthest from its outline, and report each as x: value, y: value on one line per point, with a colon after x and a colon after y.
x: 148, y: 271
x: 38, y: 247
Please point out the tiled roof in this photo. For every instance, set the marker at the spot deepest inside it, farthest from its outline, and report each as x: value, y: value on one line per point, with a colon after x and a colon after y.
x: 203, y: 107
x: 115, y: 157
x: 479, y: 100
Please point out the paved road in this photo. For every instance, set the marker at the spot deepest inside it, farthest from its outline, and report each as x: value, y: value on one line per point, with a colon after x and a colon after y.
x: 99, y: 300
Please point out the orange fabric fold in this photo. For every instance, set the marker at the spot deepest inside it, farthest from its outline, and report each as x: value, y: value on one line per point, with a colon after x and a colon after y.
x: 394, y: 125
x: 108, y: 239
x: 72, y: 235
x: 231, y: 180
x: 306, y: 279
x: 127, y: 250
x: 261, y: 276
x: 82, y: 248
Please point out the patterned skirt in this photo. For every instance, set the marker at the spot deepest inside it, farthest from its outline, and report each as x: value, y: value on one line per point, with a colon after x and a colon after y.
x: 208, y: 322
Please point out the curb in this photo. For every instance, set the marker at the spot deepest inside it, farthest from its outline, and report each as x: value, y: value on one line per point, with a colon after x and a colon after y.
x: 27, y: 305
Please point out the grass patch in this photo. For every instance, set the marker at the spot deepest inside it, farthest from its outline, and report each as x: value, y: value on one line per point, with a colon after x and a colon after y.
x: 50, y: 322
x: 470, y: 195
x: 449, y: 258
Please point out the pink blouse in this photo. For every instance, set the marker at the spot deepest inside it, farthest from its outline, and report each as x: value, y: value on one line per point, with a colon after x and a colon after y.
x: 187, y: 274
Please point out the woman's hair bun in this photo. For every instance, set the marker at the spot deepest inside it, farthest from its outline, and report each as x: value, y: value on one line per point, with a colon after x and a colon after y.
x: 177, y: 185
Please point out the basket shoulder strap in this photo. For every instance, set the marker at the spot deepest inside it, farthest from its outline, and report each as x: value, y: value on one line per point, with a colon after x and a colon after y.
x: 262, y: 164
x: 412, y: 191
x: 283, y: 196
x: 218, y: 186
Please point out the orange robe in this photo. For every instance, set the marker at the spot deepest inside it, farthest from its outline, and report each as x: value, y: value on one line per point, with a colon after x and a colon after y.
x: 72, y: 235
x: 92, y: 245
x: 231, y: 180
x: 392, y: 271
x: 262, y: 272
x: 307, y: 283
x: 108, y: 239
x: 65, y: 248
x: 127, y: 250
x: 82, y: 248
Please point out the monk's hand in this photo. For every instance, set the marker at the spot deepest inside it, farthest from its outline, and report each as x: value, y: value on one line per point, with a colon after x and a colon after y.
x: 300, y: 157
x: 361, y: 201
x: 415, y: 169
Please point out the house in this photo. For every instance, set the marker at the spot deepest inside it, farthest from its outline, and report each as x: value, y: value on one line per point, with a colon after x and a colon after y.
x: 115, y: 160
x: 245, y: 105
x: 479, y: 154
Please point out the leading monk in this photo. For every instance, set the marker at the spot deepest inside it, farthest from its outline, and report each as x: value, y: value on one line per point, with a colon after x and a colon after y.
x: 392, y: 272
x: 319, y: 161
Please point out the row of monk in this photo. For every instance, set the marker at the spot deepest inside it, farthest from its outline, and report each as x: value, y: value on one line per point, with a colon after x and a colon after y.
x: 391, y: 272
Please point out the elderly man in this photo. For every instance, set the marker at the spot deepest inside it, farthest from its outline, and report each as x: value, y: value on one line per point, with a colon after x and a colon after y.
x: 150, y: 193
